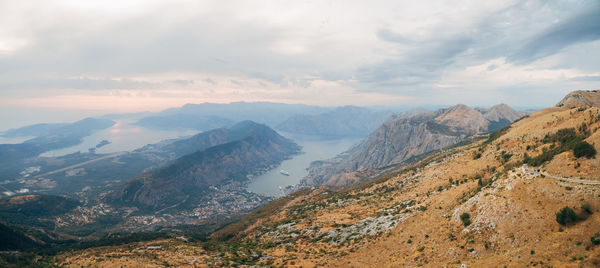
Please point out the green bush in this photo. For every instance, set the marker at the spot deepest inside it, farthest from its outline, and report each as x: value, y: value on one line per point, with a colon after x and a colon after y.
x: 540, y: 159
x: 567, y: 139
x: 565, y: 216
x: 466, y: 219
x: 583, y: 148
x: 595, y: 239
x: 563, y: 136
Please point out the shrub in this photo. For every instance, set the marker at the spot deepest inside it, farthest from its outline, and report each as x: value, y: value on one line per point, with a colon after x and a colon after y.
x: 451, y: 236
x: 565, y: 216
x: 466, y: 219
x: 595, y: 239
x: 563, y: 136
x: 567, y: 139
x: 583, y: 148
x: 540, y: 159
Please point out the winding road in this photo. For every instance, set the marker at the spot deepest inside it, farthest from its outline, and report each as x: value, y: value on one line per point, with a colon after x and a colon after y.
x: 538, y: 173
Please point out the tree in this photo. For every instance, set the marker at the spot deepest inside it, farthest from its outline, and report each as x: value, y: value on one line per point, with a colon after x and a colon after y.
x: 565, y: 216
x: 583, y: 148
x: 466, y: 219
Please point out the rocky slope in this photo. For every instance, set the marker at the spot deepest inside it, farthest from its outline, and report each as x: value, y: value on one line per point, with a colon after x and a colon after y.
x: 251, y: 147
x: 343, y: 121
x: 402, y: 138
x: 580, y: 98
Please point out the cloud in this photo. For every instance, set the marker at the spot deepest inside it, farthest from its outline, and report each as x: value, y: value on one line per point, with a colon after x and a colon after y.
x: 389, y: 36
x: 583, y: 27
x: 77, y: 82
x: 293, y: 51
x: 421, y: 64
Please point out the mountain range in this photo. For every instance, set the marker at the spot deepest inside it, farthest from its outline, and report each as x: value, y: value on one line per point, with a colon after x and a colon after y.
x: 45, y: 137
x: 404, y: 137
x: 455, y: 187
x: 526, y: 195
x: 291, y: 118
x: 231, y: 154
x: 204, y: 116
x: 342, y: 121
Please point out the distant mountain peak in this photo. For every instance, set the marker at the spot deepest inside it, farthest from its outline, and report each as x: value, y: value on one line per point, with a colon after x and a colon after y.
x: 247, y: 123
x: 458, y: 107
x: 461, y: 118
x: 502, y: 112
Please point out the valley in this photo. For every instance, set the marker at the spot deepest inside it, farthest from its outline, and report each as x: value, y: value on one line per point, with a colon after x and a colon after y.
x: 273, y: 183
x: 471, y: 205
x: 226, y: 188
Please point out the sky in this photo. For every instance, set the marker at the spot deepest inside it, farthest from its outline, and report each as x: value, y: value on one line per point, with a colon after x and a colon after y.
x: 133, y: 55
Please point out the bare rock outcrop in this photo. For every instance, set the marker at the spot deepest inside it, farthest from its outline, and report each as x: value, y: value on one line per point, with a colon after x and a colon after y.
x: 581, y: 98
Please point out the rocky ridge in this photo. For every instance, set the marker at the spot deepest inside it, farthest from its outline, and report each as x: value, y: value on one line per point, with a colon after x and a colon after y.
x: 405, y: 137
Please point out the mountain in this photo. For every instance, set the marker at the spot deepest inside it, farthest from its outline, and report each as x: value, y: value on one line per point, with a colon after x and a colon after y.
x: 33, y: 130
x: 473, y: 205
x: 402, y: 138
x: 207, y: 115
x: 71, y: 134
x: 460, y: 119
x: 184, y: 121
x: 64, y: 175
x: 580, y: 98
x: 80, y: 128
x: 342, y: 121
x: 47, y: 137
x: 250, y: 147
x: 500, y: 115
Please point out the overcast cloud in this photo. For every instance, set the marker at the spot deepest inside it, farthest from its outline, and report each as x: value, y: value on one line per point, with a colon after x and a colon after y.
x: 104, y: 54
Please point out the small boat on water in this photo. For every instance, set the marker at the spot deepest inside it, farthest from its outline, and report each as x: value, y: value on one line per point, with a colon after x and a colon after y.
x: 283, y: 172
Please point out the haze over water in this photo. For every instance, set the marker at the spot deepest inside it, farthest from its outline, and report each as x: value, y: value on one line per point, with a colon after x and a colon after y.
x: 123, y: 136
x: 313, y: 149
